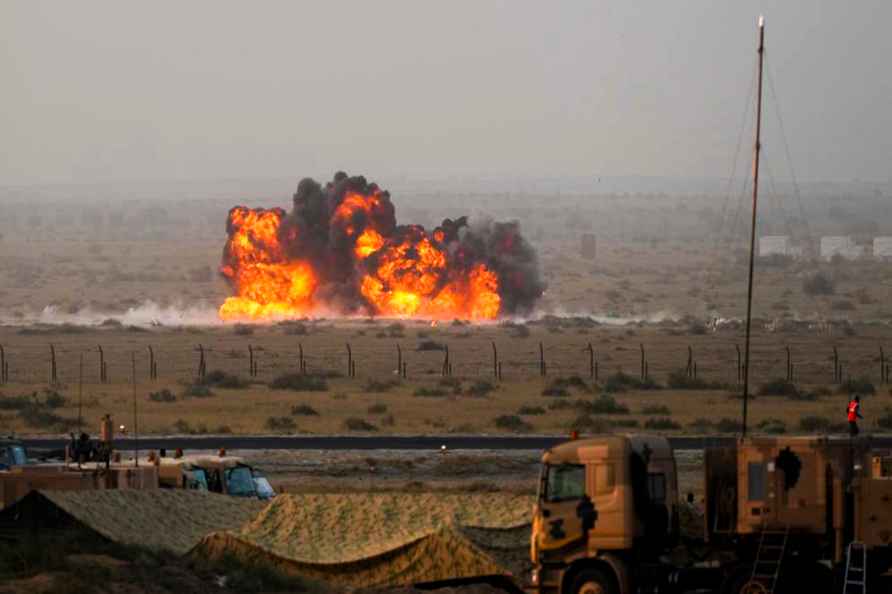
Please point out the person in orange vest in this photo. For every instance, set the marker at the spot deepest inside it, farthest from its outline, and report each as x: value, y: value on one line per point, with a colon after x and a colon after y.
x: 853, y: 412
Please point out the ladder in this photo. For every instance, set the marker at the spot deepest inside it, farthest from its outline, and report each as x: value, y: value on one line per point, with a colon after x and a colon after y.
x: 856, y: 569
x: 769, y: 555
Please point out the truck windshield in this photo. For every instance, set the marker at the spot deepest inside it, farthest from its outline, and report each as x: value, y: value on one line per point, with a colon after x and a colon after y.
x: 564, y: 482
x: 17, y: 455
x: 239, y: 482
x: 199, y: 480
x: 264, y: 489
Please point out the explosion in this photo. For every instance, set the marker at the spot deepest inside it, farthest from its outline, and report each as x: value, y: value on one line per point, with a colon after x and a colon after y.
x: 341, y: 251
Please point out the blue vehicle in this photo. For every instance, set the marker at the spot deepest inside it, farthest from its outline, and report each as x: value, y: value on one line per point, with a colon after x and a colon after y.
x: 12, y: 454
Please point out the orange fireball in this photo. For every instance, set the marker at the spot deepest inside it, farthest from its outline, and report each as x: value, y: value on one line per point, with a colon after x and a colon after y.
x: 266, y: 285
x: 341, y: 250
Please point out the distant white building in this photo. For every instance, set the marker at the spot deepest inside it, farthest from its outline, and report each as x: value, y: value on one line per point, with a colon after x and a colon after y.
x: 882, y: 247
x: 778, y: 245
x: 842, y: 246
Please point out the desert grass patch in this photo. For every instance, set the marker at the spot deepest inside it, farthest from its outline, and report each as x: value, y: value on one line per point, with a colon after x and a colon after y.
x: 163, y: 395
x: 281, y: 424
x: 656, y: 409
x: 661, y: 424
x: 480, y: 389
x: 860, y: 385
x: 304, y: 410
x: 221, y: 379
x: 197, y: 391
x: 531, y: 410
x: 299, y: 382
x: 680, y: 380
x: 374, y: 386
x: 429, y: 392
x: 357, y: 424
x: 512, y: 423
x: 623, y: 382
x: 379, y: 408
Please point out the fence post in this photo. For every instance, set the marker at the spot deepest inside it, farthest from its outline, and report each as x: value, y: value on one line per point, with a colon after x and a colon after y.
x: 250, y: 361
x: 739, y: 365
x: 302, y: 365
x: 445, y: 371
x: 202, y: 368
x: 405, y: 370
x: 102, y: 369
x: 399, y: 360
x: 643, y: 372
x: 541, y: 360
x: 495, y: 362
x: 349, y: 361
x: 153, y: 368
x: 789, y: 364
x: 689, y: 368
x: 591, y: 361
x: 53, y: 377
x: 80, y: 393
x: 837, y: 372
x: 2, y: 365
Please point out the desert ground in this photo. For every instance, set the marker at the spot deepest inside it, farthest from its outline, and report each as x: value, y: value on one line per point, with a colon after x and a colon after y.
x: 668, y: 274
x: 640, y: 334
x: 278, y: 399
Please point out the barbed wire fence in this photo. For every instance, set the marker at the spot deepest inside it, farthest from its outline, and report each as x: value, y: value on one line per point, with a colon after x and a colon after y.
x: 59, y: 363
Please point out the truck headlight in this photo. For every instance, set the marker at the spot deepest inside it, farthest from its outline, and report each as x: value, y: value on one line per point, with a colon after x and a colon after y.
x: 534, y: 577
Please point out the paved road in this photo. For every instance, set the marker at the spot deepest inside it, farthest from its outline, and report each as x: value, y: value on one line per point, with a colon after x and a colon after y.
x: 378, y: 442
x: 354, y: 442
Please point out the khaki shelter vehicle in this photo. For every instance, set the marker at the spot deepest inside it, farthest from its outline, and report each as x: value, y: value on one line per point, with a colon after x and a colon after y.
x: 18, y: 481
x: 782, y: 514
x: 96, y: 465
x: 219, y: 474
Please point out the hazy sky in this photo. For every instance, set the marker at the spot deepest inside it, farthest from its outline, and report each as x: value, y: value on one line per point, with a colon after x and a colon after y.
x: 97, y: 91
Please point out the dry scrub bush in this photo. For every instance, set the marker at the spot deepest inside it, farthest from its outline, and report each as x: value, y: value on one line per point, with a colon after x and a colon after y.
x: 661, y: 424
x: 512, y: 423
x: 281, y: 424
x: 304, y: 410
x: 299, y: 383
x: 531, y: 410
x: 357, y: 424
x: 656, y: 409
x: 379, y: 408
x: 163, y: 395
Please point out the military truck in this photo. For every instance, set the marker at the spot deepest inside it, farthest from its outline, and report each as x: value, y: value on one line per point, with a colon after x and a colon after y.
x: 781, y: 514
x: 228, y: 475
x: 12, y: 453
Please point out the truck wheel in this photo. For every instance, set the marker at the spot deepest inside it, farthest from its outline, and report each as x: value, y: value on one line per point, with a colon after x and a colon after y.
x: 737, y: 581
x: 592, y: 581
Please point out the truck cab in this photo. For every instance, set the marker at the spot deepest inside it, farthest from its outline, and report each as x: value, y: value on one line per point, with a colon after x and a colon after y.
x: 601, y: 501
x: 227, y: 475
x: 12, y: 454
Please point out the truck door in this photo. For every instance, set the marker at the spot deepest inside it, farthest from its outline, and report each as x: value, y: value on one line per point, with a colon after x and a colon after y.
x: 565, y: 512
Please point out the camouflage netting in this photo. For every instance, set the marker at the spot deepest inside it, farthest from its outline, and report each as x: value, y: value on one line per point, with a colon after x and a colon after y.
x: 382, y: 539
x: 156, y: 518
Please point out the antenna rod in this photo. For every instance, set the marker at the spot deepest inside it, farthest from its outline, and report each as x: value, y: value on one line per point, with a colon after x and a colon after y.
x: 80, y: 396
x: 135, y: 426
x: 749, y: 291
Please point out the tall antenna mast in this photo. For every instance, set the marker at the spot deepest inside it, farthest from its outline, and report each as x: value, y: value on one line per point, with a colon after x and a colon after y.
x: 749, y: 291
